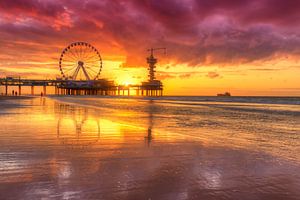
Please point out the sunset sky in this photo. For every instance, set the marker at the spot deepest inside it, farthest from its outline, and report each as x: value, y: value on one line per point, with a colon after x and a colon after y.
x: 246, y: 47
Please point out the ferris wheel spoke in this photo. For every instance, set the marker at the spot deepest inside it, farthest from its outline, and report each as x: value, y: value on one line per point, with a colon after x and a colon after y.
x: 68, y: 61
x: 66, y: 67
x: 76, y: 50
x: 94, y: 63
x: 85, y: 52
x: 84, y: 48
x: 70, y: 69
x: 70, y: 73
x: 96, y: 58
x: 92, y: 59
x: 77, y: 53
x: 80, y: 52
x: 73, y: 53
x: 90, y: 72
x: 66, y: 54
x: 97, y: 63
x: 94, y: 74
x: 69, y: 56
x: 89, y: 52
x: 92, y: 56
x: 89, y: 55
x: 91, y: 69
x: 91, y: 65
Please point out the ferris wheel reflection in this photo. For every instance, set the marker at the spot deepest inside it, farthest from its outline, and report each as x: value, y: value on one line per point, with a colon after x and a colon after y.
x: 75, y: 127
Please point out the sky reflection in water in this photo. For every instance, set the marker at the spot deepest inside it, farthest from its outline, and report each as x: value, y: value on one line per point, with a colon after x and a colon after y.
x: 135, y: 149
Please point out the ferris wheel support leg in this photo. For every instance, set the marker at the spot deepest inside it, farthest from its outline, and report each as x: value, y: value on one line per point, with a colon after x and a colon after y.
x: 85, y: 73
x: 76, y: 73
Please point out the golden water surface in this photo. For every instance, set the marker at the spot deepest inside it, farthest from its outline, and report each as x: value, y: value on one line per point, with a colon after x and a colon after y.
x: 90, y: 148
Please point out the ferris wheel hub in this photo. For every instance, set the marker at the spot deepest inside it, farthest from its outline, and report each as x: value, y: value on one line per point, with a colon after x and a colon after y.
x: 80, y: 63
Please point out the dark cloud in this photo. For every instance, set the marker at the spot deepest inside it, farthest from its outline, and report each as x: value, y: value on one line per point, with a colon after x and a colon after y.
x: 196, y: 32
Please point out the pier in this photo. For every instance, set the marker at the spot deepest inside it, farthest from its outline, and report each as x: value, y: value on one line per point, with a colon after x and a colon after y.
x: 87, y: 67
x: 71, y: 87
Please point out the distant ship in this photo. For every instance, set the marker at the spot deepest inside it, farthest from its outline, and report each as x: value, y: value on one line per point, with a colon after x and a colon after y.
x: 226, y: 94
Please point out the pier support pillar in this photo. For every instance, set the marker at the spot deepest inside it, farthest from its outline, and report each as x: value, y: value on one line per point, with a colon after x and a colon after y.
x: 44, y: 88
x: 6, y: 89
x: 20, y: 90
x: 32, y: 90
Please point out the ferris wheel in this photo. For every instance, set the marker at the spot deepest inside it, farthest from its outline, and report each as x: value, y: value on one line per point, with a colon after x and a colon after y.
x: 80, y: 61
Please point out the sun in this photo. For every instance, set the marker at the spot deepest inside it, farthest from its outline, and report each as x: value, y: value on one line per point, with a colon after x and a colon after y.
x: 126, y: 83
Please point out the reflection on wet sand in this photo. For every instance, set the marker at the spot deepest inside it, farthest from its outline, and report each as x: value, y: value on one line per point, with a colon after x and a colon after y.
x: 74, y: 127
x: 127, y: 160
x: 149, y: 136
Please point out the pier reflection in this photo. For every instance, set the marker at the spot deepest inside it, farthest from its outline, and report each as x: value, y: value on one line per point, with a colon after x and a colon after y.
x: 75, y: 127
x: 81, y: 127
x: 150, y: 109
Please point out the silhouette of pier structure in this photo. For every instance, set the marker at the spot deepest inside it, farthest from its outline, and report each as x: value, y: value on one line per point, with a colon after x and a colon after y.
x: 71, y: 87
x: 70, y: 82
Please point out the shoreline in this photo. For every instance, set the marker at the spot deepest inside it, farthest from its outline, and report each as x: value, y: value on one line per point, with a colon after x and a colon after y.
x: 3, y: 97
x: 11, y: 102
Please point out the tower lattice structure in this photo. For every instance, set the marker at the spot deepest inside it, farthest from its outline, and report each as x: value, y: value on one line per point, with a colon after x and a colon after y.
x: 151, y: 68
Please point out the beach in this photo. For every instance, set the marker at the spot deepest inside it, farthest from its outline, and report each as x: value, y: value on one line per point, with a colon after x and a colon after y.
x: 149, y: 148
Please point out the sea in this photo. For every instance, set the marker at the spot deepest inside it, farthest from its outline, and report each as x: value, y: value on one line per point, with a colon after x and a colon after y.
x: 171, y: 147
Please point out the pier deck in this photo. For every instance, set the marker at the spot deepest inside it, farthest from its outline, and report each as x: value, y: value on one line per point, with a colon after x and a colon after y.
x: 91, y: 87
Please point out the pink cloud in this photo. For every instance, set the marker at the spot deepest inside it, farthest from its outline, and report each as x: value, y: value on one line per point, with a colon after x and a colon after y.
x: 195, y: 32
x: 213, y: 75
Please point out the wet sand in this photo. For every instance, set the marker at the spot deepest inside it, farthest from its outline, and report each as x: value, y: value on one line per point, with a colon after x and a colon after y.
x: 10, y: 102
x: 56, y: 150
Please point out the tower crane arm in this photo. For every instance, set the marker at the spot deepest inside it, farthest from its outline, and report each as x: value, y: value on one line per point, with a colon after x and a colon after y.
x: 156, y: 49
